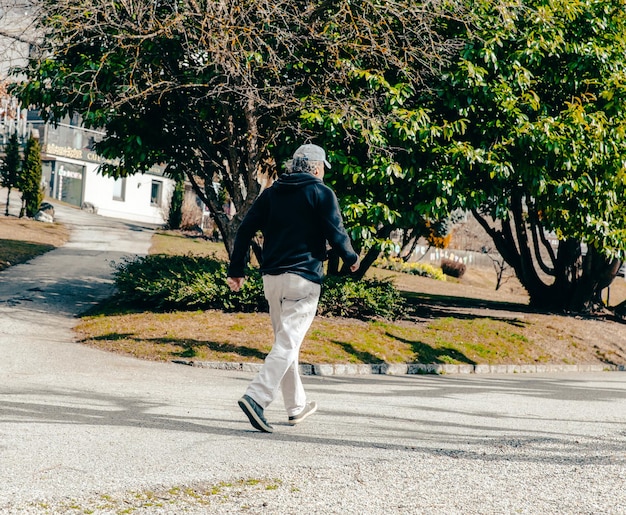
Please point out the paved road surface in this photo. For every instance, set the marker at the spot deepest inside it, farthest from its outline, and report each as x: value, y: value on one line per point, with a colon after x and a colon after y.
x: 83, y: 431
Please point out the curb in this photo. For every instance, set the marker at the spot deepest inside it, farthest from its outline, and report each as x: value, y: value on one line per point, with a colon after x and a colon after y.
x: 397, y: 369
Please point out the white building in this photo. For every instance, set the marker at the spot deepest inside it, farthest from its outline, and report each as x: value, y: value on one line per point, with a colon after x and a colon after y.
x: 71, y: 174
x: 70, y: 166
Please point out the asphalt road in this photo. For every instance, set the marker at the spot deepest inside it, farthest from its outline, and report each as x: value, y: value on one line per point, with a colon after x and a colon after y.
x: 84, y: 431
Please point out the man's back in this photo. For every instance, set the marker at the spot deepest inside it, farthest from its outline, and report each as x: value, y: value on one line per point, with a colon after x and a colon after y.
x: 293, y: 229
x: 297, y: 215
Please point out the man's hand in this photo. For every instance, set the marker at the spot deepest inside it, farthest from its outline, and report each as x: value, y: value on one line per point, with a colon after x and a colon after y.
x: 354, y: 267
x: 234, y: 283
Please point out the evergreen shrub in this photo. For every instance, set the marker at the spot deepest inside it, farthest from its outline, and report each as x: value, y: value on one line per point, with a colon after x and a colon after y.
x: 29, y: 182
x: 166, y: 282
x: 366, y: 298
x: 169, y: 282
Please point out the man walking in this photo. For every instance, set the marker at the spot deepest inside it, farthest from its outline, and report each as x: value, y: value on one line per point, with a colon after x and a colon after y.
x: 297, y: 216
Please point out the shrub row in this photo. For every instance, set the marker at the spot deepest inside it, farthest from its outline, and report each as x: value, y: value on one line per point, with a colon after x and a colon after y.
x: 421, y: 269
x: 367, y: 298
x: 164, y: 282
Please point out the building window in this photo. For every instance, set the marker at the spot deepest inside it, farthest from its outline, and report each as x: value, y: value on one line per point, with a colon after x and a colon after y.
x: 155, y: 195
x: 119, y: 189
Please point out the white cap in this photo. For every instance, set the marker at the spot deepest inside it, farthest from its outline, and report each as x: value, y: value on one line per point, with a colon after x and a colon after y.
x: 311, y: 152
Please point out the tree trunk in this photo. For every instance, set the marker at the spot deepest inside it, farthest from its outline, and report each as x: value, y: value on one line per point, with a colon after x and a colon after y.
x: 227, y: 224
x: 372, y: 254
x: 6, y: 213
x: 579, y: 280
x: 575, y: 282
x: 597, y: 273
x: 367, y: 262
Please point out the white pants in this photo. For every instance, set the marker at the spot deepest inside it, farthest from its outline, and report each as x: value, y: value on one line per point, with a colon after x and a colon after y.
x: 293, y: 304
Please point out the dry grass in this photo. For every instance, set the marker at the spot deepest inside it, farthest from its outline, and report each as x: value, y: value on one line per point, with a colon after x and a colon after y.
x: 22, y: 239
x: 490, y: 337
x: 464, y: 321
x: 177, y: 243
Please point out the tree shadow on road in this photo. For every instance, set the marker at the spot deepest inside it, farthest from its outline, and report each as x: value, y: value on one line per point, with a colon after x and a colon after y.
x: 473, y: 433
x: 169, y: 347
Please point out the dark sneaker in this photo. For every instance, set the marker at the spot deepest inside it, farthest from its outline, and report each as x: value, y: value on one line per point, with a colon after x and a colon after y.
x: 254, y: 412
x: 309, y: 409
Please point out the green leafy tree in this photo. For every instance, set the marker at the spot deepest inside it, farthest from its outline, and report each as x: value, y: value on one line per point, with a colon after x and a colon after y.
x: 528, y: 134
x: 10, y: 169
x: 30, y: 179
x: 225, y: 91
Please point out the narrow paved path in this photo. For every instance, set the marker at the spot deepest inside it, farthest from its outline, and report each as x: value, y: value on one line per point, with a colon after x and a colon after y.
x: 84, y: 431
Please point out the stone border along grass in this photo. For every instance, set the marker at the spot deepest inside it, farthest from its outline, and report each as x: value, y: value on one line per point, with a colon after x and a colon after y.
x: 397, y: 369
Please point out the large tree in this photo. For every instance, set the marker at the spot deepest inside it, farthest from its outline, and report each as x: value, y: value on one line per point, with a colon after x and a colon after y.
x: 224, y: 90
x: 538, y: 97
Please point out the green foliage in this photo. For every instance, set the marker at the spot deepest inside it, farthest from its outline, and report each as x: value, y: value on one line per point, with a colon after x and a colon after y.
x: 535, y: 107
x: 10, y: 168
x: 30, y: 178
x: 378, y: 188
x: 225, y: 91
x: 11, y: 163
x: 186, y: 282
x: 414, y: 268
x: 366, y: 298
x: 528, y: 129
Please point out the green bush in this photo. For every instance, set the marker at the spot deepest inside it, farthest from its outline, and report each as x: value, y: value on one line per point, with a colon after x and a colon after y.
x: 367, y: 298
x: 165, y: 282
x: 421, y: 269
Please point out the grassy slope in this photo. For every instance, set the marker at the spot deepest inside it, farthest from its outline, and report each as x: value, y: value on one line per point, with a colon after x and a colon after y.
x: 466, y: 321
x: 451, y: 322
x: 22, y: 239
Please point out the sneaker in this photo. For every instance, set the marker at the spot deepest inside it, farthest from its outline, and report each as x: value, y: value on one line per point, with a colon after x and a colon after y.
x: 254, y: 412
x: 309, y: 409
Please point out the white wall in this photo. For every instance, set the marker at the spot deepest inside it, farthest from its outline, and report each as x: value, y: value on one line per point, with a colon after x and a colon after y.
x: 136, y: 206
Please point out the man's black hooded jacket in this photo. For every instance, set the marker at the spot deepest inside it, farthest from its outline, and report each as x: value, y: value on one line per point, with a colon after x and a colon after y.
x: 297, y: 215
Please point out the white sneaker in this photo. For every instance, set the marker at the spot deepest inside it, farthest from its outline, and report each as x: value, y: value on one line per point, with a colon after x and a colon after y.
x: 309, y: 409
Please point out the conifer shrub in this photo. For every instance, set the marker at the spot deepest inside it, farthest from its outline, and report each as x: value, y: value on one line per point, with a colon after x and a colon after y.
x: 10, y: 167
x: 30, y: 179
x: 175, y: 216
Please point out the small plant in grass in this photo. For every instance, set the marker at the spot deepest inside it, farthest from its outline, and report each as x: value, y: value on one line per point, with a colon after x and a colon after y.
x: 421, y: 269
x: 453, y: 268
